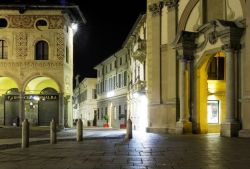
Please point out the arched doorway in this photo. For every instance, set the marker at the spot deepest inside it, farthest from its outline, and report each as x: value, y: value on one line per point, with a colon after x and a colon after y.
x: 11, y: 107
x: 47, y: 106
x: 9, y: 101
x: 41, y: 101
x: 210, y: 92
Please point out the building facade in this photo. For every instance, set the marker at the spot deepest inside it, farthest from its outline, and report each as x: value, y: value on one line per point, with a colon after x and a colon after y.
x: 112, y: 90
x: 85, y: 105
x: 197, y: 66
x: 36, y: 64
x: 137, y: 96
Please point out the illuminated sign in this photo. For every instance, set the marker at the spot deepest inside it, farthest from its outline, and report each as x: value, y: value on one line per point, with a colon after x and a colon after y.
x: 31, y: 97
x: 213, y: 111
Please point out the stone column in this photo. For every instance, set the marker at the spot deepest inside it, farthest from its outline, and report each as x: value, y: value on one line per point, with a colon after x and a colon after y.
x: 230, y: 126
x: 21, y: 107
x: 61, y: 110
x: 183, y: 125
x: 185, y: 46
x: 156, y: 119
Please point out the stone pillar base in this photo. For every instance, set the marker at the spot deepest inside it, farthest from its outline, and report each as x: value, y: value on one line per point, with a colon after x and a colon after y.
x: 183, y: 127
x: 244, y: 133
x: 230, y: 129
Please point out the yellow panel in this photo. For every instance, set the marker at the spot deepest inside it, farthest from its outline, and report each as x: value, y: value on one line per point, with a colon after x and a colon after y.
x: 6, y: 83
x: 36, y: 85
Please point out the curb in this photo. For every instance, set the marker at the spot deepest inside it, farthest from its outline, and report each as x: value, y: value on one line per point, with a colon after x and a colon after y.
x: 46, y: 141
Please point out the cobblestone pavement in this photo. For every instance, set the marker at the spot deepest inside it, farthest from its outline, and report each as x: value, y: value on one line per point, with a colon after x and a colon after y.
x: 144, y: 151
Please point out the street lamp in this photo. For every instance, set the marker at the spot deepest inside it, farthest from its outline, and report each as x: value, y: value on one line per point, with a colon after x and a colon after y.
x: 74, y: 26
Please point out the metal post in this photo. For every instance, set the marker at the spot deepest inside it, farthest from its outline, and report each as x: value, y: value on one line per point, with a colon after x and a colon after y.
x: 79, y: 130
x: 53, y: 132
x: 25, y: 134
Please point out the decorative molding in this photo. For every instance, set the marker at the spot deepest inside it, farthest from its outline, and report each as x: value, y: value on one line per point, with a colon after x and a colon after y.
x: 21, y: 44
x: 170, y: 3
x: 140, y: 53
x: 28, y: 21
x: 186, y: 13
x: 5, y: 65
x: 212, y: 37
x: 60, y: 46
x: 155, y: 8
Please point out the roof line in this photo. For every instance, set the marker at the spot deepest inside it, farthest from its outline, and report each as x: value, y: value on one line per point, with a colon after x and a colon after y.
x: 23, y: 8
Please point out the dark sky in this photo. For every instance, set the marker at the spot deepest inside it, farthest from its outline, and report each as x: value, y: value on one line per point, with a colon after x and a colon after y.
x: 108, y: 24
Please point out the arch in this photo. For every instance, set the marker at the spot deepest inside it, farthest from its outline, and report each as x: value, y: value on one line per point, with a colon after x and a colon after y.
x: 206, y: 90
x: 38, y: 84
x: 189, y: 8
x: 7, y: 83
x: 36, y: 75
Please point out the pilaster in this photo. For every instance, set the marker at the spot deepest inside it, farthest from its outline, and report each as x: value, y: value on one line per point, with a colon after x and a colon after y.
x: 21, y: 107
x: 185, y: 46
x: 61, y: 110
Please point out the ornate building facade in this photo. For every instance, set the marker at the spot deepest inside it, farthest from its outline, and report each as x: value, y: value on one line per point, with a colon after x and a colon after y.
x: 137, y: 96
x: 36, y: 64
x: 112, y: 90
x: 197, y: 66
x: 84, y: 103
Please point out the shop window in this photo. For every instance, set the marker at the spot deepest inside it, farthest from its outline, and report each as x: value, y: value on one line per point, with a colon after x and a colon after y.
x: 213, y: 111
x: 42, y: 50
x: 3, y: 49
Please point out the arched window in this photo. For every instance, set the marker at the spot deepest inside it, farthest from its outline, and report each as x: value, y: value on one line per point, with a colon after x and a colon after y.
x: 42, y: 50
x: 3, y: 49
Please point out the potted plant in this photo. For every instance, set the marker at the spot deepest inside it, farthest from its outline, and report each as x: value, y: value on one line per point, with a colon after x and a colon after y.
x: 106, y: 118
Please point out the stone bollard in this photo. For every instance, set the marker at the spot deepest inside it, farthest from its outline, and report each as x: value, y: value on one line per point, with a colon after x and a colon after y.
x: 79, y: 130
x: 129, y: 133
x: 25, y: 134
x: 53, y: 132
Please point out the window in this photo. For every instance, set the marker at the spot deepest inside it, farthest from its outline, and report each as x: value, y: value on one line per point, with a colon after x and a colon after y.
x: 3, y: 49
x: 213, y: 111
x: 120, y: 111
x: 216, y: 69
x: 120, y: 60
x: 3, y: 23
x: 41, y: 22
x: 125, y: 78
x: 94, y: 94
x: 119, y: 80
x: 42, y: 50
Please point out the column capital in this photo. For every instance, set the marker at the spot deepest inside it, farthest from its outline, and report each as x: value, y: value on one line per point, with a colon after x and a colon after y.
x: 155, y: 8
x: 170, y: 3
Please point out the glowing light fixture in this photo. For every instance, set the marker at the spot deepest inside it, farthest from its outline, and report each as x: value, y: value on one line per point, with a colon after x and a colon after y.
x: 74, y: 26
x: 110, y: 94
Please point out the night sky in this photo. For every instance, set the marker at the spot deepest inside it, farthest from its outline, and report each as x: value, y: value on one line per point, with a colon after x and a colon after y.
x: 108, y: 24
